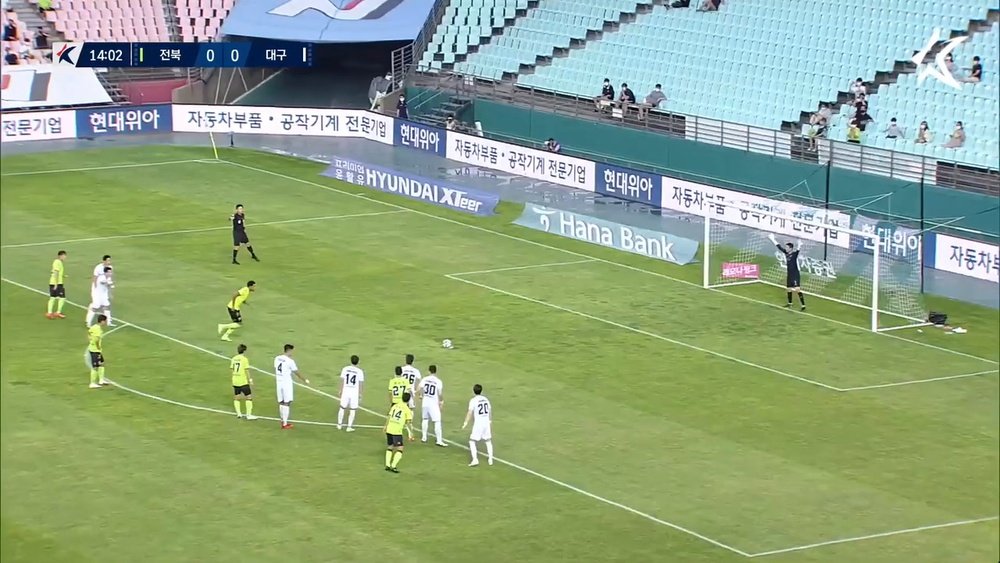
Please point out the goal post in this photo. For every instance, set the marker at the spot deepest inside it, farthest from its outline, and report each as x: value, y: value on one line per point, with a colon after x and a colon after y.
x: 852, y: 267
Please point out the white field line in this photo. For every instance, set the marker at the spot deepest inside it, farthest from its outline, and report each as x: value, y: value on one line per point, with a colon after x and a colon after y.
x: 874, y: 536
x: 602, y: 260
x: 204, y: 230
x: 459, y: 445
x: 513, y: 268
x: 915, y: 381
x: 647, y: 333
x: 93, y: 168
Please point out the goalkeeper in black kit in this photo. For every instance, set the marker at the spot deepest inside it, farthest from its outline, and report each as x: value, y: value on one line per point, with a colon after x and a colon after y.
x: 792, y: 279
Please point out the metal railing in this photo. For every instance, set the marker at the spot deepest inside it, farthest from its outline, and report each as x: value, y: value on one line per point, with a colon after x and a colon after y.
x: 893, y: 164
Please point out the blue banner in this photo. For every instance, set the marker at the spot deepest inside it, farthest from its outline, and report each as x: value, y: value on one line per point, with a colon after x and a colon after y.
x: 421, y: 137
x: 328, y: 21
x: 630, y: 185
x: 423, y: 189
x: 898, y: 243
x: 128, y: 120
x: 654, y: 244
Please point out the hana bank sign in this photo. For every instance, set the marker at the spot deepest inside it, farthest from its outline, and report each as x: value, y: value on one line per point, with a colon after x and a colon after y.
x: 937, y: 70
x: 338, y: 9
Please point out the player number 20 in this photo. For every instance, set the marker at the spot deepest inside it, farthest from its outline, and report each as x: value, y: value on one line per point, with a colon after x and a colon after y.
x: 484, y: 409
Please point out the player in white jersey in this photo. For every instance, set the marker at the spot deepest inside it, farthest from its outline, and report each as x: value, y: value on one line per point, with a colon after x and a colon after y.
x: 481, y: 412
x: 432, y: 391
x: 413, y: 374
x: 100, y: 296
x: 284, y: 369
x: 351, y: 380
x: 99, y: 269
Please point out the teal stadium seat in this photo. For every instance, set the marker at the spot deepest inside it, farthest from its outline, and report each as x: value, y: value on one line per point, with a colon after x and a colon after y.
x: 755, y: 62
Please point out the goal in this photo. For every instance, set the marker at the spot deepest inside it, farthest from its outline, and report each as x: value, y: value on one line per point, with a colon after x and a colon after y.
x: 855, y: 268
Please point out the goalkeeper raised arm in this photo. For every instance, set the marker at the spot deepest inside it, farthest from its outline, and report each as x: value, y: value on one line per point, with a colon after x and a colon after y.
x: 792, y: 279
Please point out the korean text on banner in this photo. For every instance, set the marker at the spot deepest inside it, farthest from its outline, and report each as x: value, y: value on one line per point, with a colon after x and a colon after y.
x: 313, y: 122
x: 794, y: 220
x: 896, y: 242
x: 39, y: 126
x: 645, y: 242
x: 531, y: 163
x: 422, y: 189
x: 421, y: 137
x: 631, y: 185
x: 965, y: 257
x: 100, y: 122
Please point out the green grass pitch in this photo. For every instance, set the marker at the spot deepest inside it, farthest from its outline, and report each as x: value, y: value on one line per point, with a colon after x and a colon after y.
x: 638, y: 417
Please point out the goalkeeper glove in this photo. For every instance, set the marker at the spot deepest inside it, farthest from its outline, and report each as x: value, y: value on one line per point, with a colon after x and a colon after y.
x: 774, y: 240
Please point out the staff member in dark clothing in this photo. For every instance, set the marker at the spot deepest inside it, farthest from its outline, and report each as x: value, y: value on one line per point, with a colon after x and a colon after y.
x: 240, y: 233
x: 792, y: 279
x: 607, y: 96
x: 401, y: 107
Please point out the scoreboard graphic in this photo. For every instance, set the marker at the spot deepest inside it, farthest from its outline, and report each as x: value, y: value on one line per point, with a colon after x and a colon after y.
x: 262, y: 54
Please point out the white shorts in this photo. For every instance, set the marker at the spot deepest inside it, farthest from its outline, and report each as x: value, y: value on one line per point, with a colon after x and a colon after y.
x: 481, y: 431
x: 350, y: 400
x: 432, y: 412
x: 99, y: 302
x: 286, y: 391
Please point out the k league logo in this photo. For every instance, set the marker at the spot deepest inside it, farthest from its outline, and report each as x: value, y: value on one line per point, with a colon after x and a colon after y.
x: 939, y: 69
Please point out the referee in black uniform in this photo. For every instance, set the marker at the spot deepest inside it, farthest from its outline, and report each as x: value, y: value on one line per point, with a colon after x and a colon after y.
x: 792, y: 277
x: 240, y: 233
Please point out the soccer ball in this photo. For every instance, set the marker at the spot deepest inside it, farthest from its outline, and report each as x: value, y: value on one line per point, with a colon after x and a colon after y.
x: 446, y: 343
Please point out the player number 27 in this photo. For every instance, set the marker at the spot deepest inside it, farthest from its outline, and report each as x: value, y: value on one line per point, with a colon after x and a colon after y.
x: 397, y: 390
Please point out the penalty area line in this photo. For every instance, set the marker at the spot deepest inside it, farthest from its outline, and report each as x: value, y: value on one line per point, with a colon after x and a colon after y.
x: 928, y: 380
x: 94, y: 168
x: 515, y: 268
x: 458, y: 445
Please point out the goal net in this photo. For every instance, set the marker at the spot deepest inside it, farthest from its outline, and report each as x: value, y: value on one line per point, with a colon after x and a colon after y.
x: 856, y: 268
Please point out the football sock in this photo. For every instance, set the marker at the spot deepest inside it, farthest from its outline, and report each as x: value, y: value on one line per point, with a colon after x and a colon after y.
x: 802, y: 298
x: 234, y: 254
x: 90, y: 317
x: 52, y: 304
x: 388, y: 458
x: 250, y: 248
x: 395, y: 459
x: 100, y: 373
x: 472, y: 450
x: 350, y: 418
x: 283, y: 409
x: 94, y: 378
x: 423, y: 429
x: 489, y: 449
x: 59, y: 304
x: 789, y: 294
x: 340, y: 417
x: 107, y: 313
x: 249, y: 405
x: 236, y: 405
x: 437, y: 431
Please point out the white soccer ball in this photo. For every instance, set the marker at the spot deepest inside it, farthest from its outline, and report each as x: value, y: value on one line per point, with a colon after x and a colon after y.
x: 446, y: 343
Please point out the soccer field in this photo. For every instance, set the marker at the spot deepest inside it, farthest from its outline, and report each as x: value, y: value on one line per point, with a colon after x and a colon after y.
x: 637, y: 416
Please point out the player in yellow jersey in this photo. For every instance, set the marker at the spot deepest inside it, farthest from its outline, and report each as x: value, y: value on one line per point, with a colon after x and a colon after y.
x: 235, y: 314
x: 239, y: 366
x: 398, y: 385
x: 95, y: 336
x: 400, y: 418
x: 57, y: 291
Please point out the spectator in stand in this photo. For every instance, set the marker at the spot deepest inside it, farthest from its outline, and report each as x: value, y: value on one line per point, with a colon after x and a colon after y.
x: 401, y: 111
x: 709, y: 5
x: 553, y: 145
x: 625, y: 98
x: 854, y: 132
x: 25, y: 51
x: 607, y: 96
x: 863, y: 118
x: 924, y: 134
x: 957, y: 138
x: 450, y: 123
x: 893, y: 131
x: 861, y: 104
x: 9, y: 56
x: 10, y: 28
x: 41, y: 39
x: 823, y: 114
x: 949, y: 63
x: 44, y: 6
x: 818, y: 131
x: 975, y: 72
x: 858, y: 88
x: 653, y: 100
x: 681, y: 4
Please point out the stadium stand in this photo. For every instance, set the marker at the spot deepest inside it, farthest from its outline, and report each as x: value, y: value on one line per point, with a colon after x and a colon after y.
x: 761, y: 63
x: 200, y: 20
x: 139, y: 20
